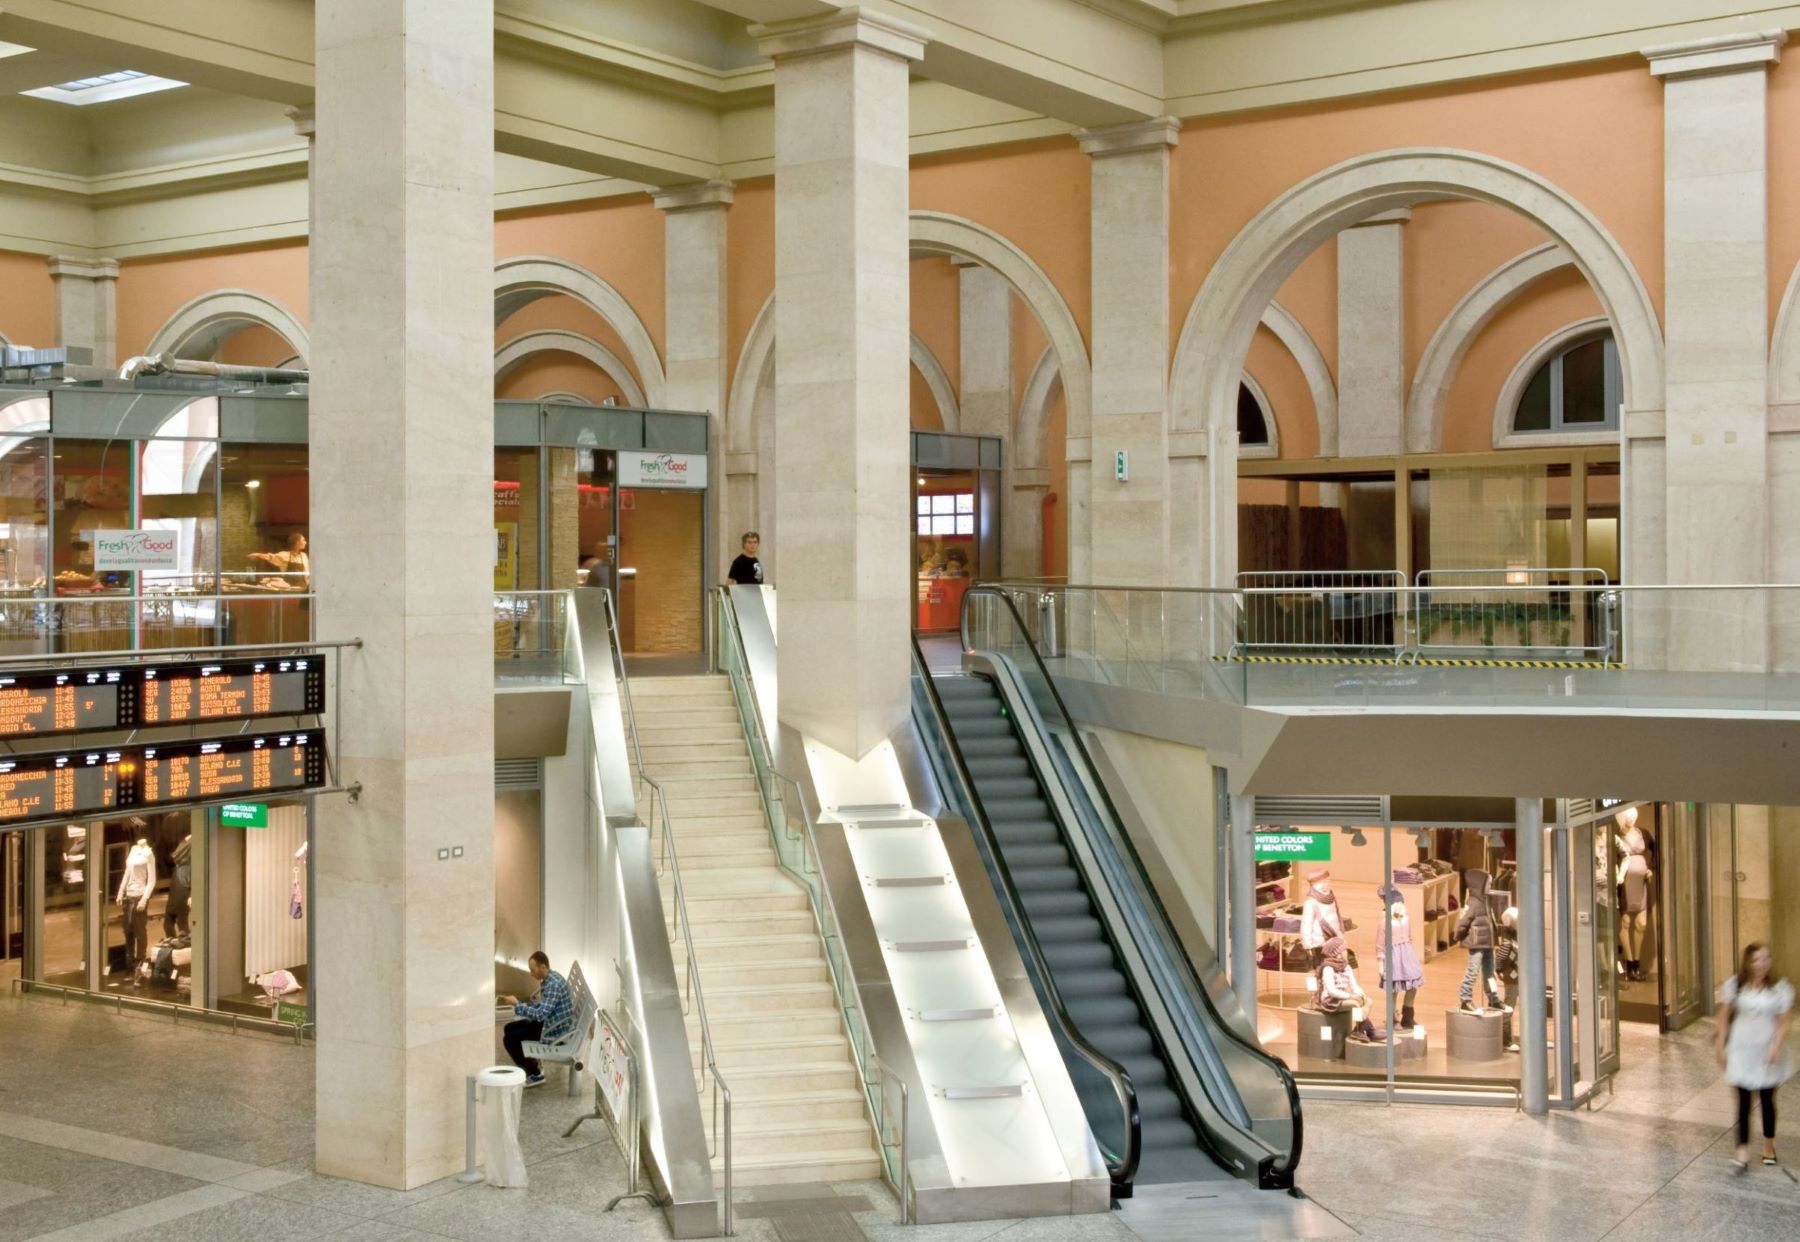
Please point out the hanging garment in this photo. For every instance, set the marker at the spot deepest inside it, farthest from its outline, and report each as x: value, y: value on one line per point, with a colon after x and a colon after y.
x: 296, y: 908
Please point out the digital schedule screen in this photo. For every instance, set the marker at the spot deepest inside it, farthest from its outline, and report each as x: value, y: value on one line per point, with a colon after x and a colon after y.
x: 92, y: 783
x: 41, y: 702
x: 229, y: 768
x: 67, y: 785
x: 232, y: 690
x: 67, y: 702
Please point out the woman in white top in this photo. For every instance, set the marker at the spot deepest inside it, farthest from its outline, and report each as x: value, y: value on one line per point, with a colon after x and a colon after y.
x: 1752, y: 1043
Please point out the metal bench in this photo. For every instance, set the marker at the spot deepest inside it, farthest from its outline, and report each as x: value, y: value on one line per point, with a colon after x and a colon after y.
x: 569, y: 1047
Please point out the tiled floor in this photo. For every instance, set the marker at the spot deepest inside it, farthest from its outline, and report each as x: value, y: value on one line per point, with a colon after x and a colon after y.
x: 116, y: 1125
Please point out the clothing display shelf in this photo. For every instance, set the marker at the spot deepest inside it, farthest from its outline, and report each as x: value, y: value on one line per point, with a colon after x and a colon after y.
x: 1434, y: 893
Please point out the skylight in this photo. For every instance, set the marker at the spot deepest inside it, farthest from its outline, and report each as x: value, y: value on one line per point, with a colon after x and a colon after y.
x: 105, y: 87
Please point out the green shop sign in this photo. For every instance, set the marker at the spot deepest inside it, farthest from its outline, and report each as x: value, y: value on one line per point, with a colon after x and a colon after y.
x: 293, y: 1015
x: 1293, y: 847
x: 244, y: 815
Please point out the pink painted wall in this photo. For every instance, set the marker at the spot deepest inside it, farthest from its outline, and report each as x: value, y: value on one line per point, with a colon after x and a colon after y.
x: 152, y: 290
x: 27, y: 300
x: 620, y: 240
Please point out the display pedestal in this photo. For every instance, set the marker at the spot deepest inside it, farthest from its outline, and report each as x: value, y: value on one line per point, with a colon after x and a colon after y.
x: 1475, y: 1036
x: 1359, y: 1055
x: 1322, y: 1035
x: 1412, y: 1044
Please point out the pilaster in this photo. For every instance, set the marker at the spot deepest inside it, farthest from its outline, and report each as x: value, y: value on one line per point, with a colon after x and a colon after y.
x: 87, y: 306
x: 1128, y: 520
x: 1371, y: 298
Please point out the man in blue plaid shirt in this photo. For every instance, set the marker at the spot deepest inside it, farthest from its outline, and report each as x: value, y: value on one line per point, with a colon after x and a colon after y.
x: 546, y: 1018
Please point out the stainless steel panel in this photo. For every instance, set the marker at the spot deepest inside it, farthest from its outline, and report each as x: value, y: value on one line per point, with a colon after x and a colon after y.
x: 618, y: 792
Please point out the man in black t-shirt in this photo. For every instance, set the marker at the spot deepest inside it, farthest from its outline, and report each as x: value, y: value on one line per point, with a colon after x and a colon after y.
x: 746, y: 570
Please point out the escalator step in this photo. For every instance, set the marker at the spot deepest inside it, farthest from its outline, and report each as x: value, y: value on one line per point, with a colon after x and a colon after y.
x: 1166, y: 1132
x: 1070, y: 929
x: 1051, y: 904
x: 1147, y: 1071
x: 982, y: 726
x: 964, y: 688
x: 1103, y: 1012
x: 1157, y: 1102
x: 974, y: 748
x: 1051, y: 855
x: 1093, y: 955
x: 998, y: 767
x: 1030, y: 806
x: 1026, y: 832
x: 1007, y: 788
x: 1090, y: 984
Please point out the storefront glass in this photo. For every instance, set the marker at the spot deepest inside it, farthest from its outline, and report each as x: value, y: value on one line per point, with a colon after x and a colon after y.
x: 947, y: 556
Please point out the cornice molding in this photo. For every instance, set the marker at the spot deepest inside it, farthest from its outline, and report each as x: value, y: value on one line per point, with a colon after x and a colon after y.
x: 1157, y: 134
x: 68, y: 265
x: 1727, y: 53
x: 538, y: 38
x: 305, y: 119
x: 851, y: 26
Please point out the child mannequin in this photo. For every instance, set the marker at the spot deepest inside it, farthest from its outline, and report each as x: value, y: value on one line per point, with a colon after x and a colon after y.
x: 1403, y: 974
x: 1338, y: 987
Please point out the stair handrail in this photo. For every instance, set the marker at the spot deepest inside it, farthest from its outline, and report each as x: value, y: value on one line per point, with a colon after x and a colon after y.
x: 1123, y: 1169
x: 721, y: 1091
x: 818, y: 898
x: 1284, y: 1074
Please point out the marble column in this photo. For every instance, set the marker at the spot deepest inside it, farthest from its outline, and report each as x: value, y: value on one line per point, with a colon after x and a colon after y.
x: 985, y: 349
x: 402, y: 267
x: 1371, y: 337
x: 1532, y: 1016
x: 1716, y: 334
x: 841, y: 388
x: 87, y: 308
x: 695, y: 342
x: 1128, y: 521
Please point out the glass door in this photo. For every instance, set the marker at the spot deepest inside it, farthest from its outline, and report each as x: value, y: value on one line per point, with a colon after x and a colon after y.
x: 12, y: 896
x: 1679, y: 930
x: 1594, y: 861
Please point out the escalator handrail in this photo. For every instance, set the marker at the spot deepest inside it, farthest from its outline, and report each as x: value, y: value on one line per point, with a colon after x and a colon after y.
x: 1283, y: 1073
x: 1126, y: 1168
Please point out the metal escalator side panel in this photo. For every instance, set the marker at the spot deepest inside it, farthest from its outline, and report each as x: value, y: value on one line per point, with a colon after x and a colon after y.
x: 1182, y: 1015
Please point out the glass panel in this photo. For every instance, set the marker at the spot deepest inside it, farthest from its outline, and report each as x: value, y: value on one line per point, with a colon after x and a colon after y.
x: 659, y: 599
x: 1681, y: 952
x: 944, y: 546
x: 66, y: 870
x: 258, y: 879
x: 1584, y: 384
x: 1640, y: 869
x: 1721, y: 890
x: 264, y: 553
x: 12, y: 896
x: 581, y: 517
x: 24, y: 540
x: 136, y: 898
x: 518, y: 539
x: 1534, y: 404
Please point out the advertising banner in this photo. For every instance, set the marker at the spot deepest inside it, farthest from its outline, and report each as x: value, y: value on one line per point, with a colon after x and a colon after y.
x: 134, y: 549
x: 684, y: 470
x: 1293, y: 847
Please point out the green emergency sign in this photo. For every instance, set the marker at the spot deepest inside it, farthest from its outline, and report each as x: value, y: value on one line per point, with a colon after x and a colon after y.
x: 1293, y: 847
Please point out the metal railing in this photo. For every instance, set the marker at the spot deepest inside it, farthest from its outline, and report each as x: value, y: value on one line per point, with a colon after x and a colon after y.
x: 797, y: 852
x: 1565, y: 613
x: 534, y: 635
x: 679, y: 925
x: 1121, y: 1166
x: 1352, y: 610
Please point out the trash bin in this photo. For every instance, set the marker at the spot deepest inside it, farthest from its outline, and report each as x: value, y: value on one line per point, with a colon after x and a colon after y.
x: 502, y: 1087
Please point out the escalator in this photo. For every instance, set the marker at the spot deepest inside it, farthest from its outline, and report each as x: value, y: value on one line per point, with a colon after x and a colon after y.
x: 1199, y: 1100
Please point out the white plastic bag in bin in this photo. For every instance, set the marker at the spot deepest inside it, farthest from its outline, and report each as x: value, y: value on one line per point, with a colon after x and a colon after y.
x: 502, y: 1088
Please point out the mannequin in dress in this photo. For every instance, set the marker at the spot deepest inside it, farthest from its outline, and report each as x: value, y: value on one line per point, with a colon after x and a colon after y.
x: 1634, y: 891
x: 135, y: 887
x: 1405, y: 974
x: 1320, y: 918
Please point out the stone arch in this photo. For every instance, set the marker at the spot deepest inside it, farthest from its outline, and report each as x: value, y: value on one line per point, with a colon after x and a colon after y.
x: 1467, y: 320
x: 556, y: 340
x: 199, y: 328
x: 1216, y: 333
x: 520, y: 281
x: 561, y: 396
x: 1520, y: 375
x: 938, y: 381
x: 1298, y: 342
x: 1784, y: 346
x: 1031, y: 424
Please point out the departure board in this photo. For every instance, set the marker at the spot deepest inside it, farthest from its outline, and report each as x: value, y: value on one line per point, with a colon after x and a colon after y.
x: 234, y: 690
x: 229, y: 768
x: 39, y: 702
x: 79, y: 784
x: 67, y: 702
x: 67, y: 785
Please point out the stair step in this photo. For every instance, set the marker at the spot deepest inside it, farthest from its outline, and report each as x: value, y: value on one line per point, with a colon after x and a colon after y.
x: 760, y: 855
x: 696, y: 777
x: 721, y: 841
x: 773, y: 974
x: 796, y: 1078
x: 734, y: 1030
x: 701, y: 683
x: 715, y: 925
x: 686, y: 826
x: 761, y: 1055
x: 785, y: 1109
x: 770, y: 998
x: 724, y: 751
x: 844, y: 1135
x: 683, y: 804
x: 801, y: 1166
x: 651, y: 734
x: 724, y: 882
x: 770, y: 903
x: 717, y: 951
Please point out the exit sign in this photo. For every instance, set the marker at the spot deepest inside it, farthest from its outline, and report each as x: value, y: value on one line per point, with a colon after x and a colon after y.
x: 244, y: 815
x: 1293, y: 847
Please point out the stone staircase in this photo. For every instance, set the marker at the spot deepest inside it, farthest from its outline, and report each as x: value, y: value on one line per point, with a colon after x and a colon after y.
x: 798, y: 1109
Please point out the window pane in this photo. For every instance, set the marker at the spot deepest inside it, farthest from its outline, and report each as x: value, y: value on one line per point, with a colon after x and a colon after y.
x: 1251, y: 427
x: 965, y: 502
x: 1584, y: 383
x: 924, y: 505
x: 965, y: 524
x: 943, y: 504
x: 1534, y: 405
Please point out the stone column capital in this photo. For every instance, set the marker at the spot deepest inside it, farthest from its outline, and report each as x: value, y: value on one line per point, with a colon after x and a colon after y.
x: 850, y: 26
x: 305, y: 121
x: 693, y: 196
x: 1158, y: 133
x: 1729, y: 53
x: 1398, y: 215
x: 62, y: 265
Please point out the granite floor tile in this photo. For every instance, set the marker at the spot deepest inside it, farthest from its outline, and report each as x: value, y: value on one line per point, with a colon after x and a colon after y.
x: 14, y: 1193
x: 252, y: 1216
x: 380, y: 1231
x: 354, y: 1198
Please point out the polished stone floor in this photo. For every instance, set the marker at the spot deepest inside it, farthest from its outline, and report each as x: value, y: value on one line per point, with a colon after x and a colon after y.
x: 120, y: 1125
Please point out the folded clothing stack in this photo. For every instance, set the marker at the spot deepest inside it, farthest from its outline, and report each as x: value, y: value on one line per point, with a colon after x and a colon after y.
x: 1286, y: 923
x: 1408, y: 875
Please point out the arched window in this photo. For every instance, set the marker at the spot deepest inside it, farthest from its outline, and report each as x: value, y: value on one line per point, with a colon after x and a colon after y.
x: 1577, y: 389
x: 1255, y: 422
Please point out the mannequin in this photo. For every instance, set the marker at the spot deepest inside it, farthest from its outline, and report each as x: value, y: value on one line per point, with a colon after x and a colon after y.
x: 135, y: 887
x: 1338, y: 987
x: 1475, y: 932
x: 1634, y: 896
x: 181, y: 887
x: 1407, y: 975
x: 1320, y: 918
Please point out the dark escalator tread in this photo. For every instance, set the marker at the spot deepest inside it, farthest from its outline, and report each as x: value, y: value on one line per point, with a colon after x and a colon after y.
x: 1052, y: 855
x: 1156, y: 1103
x: 1063, y: 957
x: 1177, y: 1164
x: 1031, y: 806
x: 1046, y: 879
x: 983, y: 726
x: 964, y: 688
x: 1076, y: 985
x: 1005, y: 746
x: 1007, y: 788
x: 1071, y: 929
x: 1111, y: 1011
x: 1027, y: 832
x: 999, y: 767
x: 1048, y: 903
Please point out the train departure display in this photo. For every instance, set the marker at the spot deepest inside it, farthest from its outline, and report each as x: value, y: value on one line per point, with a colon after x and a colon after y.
x: 45, y: 701
x: 74, y: 784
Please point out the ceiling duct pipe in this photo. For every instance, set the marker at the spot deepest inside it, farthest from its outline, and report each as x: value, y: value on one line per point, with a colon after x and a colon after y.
x: 168, y: 364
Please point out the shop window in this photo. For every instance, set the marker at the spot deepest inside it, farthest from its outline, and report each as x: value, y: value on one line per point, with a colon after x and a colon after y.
x: 1576, y: 390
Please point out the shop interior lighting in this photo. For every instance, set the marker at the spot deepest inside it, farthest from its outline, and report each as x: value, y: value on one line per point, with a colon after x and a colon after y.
x: 253, y: 483
x: 1357, y: 837
x: 105, y: 87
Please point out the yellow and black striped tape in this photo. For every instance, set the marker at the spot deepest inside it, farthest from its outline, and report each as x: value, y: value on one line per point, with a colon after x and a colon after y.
x: 1421, y: 662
